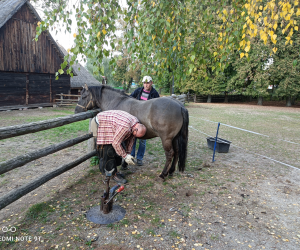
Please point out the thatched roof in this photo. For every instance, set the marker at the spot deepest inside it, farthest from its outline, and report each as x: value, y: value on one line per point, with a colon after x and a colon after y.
x: 82, y: 76
x: 9, y: 7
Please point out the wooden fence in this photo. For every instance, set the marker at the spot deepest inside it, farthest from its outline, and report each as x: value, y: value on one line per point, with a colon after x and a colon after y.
x: 68, y: 101
x: 12, y: 131
x: 214, y: 98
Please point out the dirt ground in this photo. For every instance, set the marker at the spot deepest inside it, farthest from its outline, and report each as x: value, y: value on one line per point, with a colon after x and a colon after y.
x: 241, y: 201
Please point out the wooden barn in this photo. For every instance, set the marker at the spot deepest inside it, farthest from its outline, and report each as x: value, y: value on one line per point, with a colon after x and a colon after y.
x: 27, y: 67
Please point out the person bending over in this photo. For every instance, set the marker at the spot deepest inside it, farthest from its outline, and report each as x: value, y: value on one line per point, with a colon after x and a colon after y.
x: 117, y: 131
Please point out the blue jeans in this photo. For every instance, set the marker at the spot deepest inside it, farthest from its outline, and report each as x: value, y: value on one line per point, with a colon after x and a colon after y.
x: 141, y: 150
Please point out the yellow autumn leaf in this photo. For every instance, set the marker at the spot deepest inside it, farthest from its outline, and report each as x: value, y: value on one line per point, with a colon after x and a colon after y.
x: 275, y: 26
x: 174, y: 48
x: 296, y: 28
x: 243, y: 36
x: 104, y: 31
x: 242, y: 55
x: 215, y: 53
x: 225, y: 12
x: 98, y: 35
x: 153, y: 4
x: 274, y: 49
x: 291, y: 42
x: 74, y: 35
x: 243, y: 13
x: 247, y: 48
x: 39, y: 23
x: 246, y: 54
x: 298, y: 12
x: 68, y: 50
x: 153, y: 37
x: 260, y: 7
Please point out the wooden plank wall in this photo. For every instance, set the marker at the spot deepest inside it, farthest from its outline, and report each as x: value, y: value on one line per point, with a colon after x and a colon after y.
x: 18, y: 51
x: 13, y: 88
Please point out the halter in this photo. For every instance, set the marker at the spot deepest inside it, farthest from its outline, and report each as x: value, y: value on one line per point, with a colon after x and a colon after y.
x: 85, y: 108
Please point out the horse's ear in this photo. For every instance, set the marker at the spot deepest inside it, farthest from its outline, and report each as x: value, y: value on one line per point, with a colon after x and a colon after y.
x: 85, y: 86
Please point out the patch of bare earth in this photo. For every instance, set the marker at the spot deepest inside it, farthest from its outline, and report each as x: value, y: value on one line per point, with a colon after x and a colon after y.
x: 241, y: 201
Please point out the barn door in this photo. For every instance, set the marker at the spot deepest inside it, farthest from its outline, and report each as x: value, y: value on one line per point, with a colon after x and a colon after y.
x: 39, y: 88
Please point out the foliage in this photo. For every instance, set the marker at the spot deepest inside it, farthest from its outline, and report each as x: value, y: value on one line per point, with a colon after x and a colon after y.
x: 106, y: 68
x: 284, y: 72
x: 252, y: 76
x: 191, y: 39
x: 94, y: 161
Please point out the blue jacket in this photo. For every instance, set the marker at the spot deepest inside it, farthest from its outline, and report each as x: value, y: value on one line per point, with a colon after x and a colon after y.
x: 138, y: 93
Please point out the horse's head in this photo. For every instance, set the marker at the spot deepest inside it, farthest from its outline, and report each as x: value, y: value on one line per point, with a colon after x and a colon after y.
x: 86, y: 101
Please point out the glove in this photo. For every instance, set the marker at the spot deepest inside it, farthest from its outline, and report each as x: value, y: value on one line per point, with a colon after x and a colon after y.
x: 129, y: 159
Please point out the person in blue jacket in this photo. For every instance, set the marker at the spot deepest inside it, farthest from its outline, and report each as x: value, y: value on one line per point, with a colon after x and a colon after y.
x: 144, y: 93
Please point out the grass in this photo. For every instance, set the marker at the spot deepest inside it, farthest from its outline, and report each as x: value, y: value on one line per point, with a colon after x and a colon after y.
x: 145, y: 199
x: 274, y: 123
x: 39, y: 211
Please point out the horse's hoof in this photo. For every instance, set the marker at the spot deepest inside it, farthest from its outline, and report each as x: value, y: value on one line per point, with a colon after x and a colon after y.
x: 160, y: 178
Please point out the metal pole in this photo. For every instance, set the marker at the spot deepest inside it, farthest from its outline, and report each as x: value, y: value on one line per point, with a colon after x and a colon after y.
x: 213, y: 159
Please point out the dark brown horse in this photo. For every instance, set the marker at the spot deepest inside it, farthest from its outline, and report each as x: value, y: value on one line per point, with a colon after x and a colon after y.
x: 163, y: 117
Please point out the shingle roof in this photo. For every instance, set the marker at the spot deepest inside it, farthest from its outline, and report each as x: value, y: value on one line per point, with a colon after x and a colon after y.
x: 9, y: 7
x: 83, y: 76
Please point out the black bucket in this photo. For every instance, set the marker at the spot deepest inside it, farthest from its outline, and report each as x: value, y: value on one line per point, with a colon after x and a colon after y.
x: 222, y: 145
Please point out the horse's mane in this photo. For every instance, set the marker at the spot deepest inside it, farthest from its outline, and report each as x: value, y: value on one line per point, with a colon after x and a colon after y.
x: 96, y: 92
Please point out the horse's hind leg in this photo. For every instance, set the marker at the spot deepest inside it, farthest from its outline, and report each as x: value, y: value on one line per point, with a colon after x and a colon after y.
x: 175, y: 158
x: 169, y: 152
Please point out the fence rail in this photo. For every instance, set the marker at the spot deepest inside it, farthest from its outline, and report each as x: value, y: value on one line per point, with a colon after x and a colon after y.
x: 214, y: 98
x: 66, y: 102
x: 12, y: 131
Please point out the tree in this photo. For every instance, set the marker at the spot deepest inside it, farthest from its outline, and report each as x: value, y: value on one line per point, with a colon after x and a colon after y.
x: 252, y: 76
x: 284, y: 72
x: 172, y: 34
x: 106, y: 68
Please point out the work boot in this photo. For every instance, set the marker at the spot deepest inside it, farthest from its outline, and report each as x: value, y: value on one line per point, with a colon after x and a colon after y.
x: 139, y: 162
x: 124, y: 166
x: 119, y: 178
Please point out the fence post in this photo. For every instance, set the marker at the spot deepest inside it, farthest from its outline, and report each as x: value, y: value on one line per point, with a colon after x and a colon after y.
x: 92, y: 141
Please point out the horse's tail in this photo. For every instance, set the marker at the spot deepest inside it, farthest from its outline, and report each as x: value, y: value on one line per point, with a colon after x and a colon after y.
x: 183, y: 139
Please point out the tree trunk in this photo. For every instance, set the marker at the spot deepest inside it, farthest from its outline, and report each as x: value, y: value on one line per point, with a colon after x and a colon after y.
x: 260, y: 101
x: 293, y: 100
x: 209, y: 98
x: 159, y: 91
x: 226, y: 97
x: 288, y: 101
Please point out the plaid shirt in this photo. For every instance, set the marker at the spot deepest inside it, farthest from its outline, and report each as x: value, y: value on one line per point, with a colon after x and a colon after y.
x: 115, y: 126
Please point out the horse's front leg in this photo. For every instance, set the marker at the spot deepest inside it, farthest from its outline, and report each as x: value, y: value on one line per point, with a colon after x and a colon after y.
x: 169, y: 152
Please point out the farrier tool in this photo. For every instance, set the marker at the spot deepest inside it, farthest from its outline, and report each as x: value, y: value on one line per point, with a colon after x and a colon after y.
x: 120, y: 189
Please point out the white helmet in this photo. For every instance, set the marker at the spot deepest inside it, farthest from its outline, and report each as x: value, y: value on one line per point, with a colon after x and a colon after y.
x: 147, y: 79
